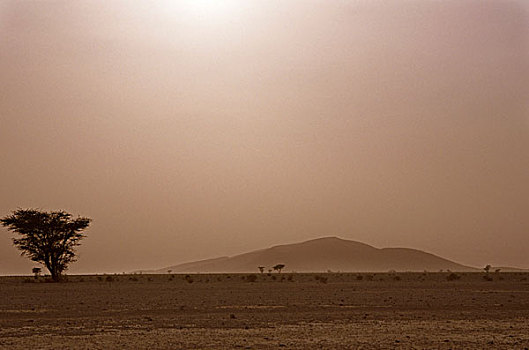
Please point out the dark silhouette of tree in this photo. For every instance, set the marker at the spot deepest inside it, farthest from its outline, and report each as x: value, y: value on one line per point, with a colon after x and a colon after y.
x: 487, y: 268
x: 261, y: 268
x: 49, y: 238
x: 279, y: 267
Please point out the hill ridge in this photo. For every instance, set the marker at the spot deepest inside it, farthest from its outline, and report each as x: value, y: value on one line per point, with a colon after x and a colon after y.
x: 324, y: 254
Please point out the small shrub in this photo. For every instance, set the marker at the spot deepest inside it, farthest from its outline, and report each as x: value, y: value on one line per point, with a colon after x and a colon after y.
x: 251, y: 278
x: 453, y: 277
x: 488, y: 278
x: 396, y: 278
x: 323, y: 280
x: 290, y: 278
x: 274, y: 278
x: 99, y: 278
x: 188, y: 279
x: 134, y: 279
x: 109, y: 279
x: 359, y: 277
x: 369, y: 277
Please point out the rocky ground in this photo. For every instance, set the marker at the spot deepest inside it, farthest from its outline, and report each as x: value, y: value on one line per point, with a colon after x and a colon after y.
x: 261, y: 311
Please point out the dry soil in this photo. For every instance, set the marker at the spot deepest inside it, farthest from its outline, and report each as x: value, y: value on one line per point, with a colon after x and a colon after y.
x: 261, y: 311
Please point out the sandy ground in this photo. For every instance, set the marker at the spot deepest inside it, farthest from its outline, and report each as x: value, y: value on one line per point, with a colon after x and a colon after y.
x: 294, y: 311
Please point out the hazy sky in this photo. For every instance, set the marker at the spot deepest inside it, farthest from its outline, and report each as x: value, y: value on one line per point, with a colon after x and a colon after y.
x: 196, y: 129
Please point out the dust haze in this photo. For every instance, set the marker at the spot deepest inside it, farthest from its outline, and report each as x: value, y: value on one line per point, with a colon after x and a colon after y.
x: 189, y: 133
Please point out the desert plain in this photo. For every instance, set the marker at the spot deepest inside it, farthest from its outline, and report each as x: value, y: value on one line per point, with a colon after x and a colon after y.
x: 261, y: 311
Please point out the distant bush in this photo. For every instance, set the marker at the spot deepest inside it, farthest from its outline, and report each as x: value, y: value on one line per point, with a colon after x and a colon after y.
x: 109, y: 279
x: 396, y: 278
x: 274, y: 278
x: 290, y: 278
x: 188, y: 279
x: 251, y: 278
x: 488, y: 278
x: 453, y: 277
x: 321, y: 279
x: 359, y: 277
x: 99, y: 278
x: 369, y: 277
x: 134, y: 279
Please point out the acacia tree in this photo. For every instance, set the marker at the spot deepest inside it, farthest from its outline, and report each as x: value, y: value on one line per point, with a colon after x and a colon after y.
x: 279, y: 267
x: 49, y: 238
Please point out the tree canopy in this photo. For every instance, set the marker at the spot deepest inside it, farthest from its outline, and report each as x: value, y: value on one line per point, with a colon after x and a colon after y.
x: 279, y: 267
x: 49, y: 238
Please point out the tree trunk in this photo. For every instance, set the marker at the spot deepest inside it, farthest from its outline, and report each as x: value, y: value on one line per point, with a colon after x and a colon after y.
x: 55, y: 275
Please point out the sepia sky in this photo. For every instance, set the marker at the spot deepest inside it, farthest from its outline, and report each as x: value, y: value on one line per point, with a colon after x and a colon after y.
x: 195, y: 129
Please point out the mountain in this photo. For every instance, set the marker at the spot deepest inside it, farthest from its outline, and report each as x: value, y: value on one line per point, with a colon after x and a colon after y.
x: 323, y: 254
